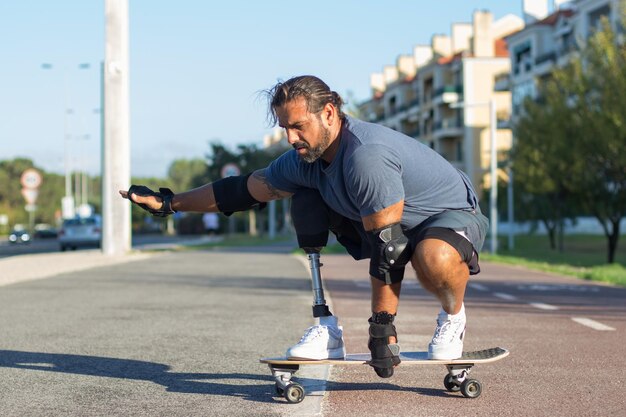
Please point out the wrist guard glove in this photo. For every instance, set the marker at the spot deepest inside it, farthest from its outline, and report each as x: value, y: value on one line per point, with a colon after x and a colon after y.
x: 165, y: 194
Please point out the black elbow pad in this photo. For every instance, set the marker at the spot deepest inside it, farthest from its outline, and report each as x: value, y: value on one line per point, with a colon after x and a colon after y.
x: 231, y: 195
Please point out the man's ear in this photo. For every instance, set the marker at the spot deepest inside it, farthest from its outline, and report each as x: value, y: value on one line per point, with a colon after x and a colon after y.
x: 329, y: 115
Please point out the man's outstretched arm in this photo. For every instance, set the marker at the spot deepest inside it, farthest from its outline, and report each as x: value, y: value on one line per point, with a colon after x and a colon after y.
x: 222, y: 195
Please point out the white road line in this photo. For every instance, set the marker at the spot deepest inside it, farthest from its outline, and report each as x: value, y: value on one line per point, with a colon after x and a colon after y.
x: 478, y: 287
x: 542, y: 306
x: 596, y: 325
x: 504, y: 296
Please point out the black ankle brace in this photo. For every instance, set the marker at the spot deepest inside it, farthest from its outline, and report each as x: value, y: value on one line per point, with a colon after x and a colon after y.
x: 382, y: 317
x: 384, y: 355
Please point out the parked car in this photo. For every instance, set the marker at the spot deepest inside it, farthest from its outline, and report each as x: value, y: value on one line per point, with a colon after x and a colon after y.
x: 80, y: 232
x: 19, y: 236
x: 45, y: 231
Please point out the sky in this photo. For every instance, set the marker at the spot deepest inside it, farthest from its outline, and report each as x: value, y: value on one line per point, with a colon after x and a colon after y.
x: 196, y: 68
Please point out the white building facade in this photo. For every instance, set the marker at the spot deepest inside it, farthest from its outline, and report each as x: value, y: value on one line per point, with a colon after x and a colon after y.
x: 439, y: 95
x: 547, y: 41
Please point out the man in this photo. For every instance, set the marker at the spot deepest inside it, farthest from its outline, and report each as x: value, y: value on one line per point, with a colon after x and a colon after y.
x: 211, y: 223
x: 386, y: 197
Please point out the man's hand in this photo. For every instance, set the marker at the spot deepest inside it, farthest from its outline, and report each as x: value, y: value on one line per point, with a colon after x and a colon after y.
x: 158, y: 204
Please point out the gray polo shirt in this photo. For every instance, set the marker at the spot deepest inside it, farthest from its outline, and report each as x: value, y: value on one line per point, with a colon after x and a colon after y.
x: 374, y: 168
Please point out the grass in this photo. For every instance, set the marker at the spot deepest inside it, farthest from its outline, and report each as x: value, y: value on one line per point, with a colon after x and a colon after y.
x: 240, y: 240
x: 583, y: 256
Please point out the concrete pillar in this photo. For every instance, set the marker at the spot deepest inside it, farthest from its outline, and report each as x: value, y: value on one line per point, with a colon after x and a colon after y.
x: 116, y: 233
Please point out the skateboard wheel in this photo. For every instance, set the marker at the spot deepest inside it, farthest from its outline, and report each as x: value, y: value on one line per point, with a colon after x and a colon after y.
x: 294, y: 393
x: 471, y: 388
x: 278, y: 390
x: 450, y: 383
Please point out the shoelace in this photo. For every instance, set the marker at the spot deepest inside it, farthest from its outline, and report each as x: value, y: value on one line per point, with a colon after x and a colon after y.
x: 311, y: 333
x: 441, y: 330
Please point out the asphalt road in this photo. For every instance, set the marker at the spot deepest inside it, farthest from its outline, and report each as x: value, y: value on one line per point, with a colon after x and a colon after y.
x: 566, y: 338
x: 51, y: 245
x: 181, y: 334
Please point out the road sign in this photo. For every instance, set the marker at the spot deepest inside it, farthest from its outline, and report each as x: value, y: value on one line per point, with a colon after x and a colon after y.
x: 31, y: 178
x: 30, y: 195
x: 230, y: 170
x: 31, y: 208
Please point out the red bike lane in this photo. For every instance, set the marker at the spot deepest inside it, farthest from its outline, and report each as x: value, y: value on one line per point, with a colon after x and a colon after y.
x: 565, y: 336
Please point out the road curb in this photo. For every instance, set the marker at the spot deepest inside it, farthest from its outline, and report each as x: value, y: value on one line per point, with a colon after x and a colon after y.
x: 44, y: 265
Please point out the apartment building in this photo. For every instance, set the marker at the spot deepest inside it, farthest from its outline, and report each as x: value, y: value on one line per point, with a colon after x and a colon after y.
x: 547, y: 41
x: 440, y: 94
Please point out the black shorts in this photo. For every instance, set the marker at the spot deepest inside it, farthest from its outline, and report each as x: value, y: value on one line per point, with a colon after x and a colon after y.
x: 456, y: 227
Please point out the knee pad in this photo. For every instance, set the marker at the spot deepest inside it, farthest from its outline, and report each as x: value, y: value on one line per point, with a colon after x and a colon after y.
x: 384, y: 355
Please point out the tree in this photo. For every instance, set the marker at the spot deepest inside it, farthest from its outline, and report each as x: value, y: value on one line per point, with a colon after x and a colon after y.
x: 11, y: 200
x: 247, y: 157
x: 539, y: 163
x: 187, y: 173
x: 578, y: 133
x: 596, y: 83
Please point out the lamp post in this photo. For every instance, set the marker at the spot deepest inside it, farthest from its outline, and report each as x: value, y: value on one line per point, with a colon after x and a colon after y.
x: 493, y: 197
x: 68, y: 205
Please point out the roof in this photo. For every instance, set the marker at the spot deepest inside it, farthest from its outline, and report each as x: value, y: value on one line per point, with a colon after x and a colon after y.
x: 501, y: 50
x: 552, y: 19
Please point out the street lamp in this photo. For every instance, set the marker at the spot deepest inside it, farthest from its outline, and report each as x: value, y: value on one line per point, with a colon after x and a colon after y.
x: 67, y: 203
x: 493, y: 197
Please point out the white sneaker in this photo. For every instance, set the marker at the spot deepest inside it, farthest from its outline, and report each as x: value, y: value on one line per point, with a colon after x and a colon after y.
x: 323, y: 341
x: 447, y: 342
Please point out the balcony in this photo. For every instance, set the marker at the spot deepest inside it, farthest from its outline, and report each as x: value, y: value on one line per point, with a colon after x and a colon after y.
x: 525, y: 66
x: 502, y: 82
x: 406, y: 106
x: 449, y: 126
x: 544, y: 63
x: 414, y: 133
x: 503, y: 123
x: 448, y: 94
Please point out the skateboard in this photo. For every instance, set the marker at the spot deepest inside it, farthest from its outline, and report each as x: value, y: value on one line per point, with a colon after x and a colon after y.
x: 456, y: 379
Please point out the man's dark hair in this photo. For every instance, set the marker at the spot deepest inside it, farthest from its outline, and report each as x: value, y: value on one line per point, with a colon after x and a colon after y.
x: 314, y: 91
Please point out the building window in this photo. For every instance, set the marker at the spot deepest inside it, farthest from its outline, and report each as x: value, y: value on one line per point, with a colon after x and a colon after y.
x: 595, y: 18
x: 523, y: 58
x: 520, y: 92
x: 392, y: 105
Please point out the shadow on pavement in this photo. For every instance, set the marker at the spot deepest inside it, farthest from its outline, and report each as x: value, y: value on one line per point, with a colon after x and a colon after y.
x: 190, y: 383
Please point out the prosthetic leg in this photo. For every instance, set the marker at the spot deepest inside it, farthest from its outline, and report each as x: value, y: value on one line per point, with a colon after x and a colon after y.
x: 320, y: 309
x: 311, y: 219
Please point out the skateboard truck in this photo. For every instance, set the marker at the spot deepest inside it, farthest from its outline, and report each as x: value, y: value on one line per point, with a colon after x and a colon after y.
x: 292, y: 391
x: 320, y: 309
x: 457, y: 380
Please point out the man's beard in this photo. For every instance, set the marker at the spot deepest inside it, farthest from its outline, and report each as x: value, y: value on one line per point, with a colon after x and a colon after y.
x: 316, y: 152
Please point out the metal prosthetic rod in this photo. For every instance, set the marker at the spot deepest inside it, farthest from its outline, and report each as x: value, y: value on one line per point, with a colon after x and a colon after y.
x: 320, y: 309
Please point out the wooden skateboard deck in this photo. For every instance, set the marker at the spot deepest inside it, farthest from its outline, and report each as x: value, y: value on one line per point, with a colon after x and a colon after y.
x: 407, y: 358
x: 455, y: 380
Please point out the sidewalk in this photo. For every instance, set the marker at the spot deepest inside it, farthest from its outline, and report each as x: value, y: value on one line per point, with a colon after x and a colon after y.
x: 43, y: 265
